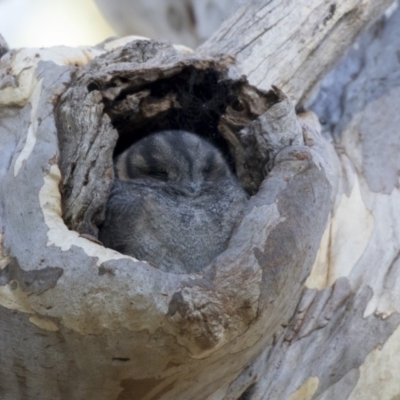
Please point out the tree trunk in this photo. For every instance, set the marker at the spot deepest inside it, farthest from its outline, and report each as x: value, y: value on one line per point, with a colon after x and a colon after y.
x: 188, y: 22
x: 310, y: 277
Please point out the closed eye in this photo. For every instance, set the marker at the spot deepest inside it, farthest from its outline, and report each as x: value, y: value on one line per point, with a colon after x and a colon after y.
x: 207, y: 170
x: 214, y: 172
x: 160, y: 175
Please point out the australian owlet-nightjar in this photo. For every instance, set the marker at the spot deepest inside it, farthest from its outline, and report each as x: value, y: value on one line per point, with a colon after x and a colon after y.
x: 175, y: 202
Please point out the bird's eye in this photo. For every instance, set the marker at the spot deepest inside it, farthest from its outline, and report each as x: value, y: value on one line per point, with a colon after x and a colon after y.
x: 159, y: 174
x: 214, y: 172
x: 207, y: 170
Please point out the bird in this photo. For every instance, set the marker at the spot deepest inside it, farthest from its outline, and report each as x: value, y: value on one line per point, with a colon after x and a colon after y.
x: 175, y: 202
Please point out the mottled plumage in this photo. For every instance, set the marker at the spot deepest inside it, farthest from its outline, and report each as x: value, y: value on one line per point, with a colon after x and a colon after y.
x: 175, y: 202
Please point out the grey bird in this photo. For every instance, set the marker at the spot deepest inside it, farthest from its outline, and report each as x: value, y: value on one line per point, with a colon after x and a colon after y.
x: 175, y: 202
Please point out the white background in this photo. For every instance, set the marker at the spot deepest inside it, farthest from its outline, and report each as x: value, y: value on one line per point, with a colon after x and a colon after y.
x: 43, y: 23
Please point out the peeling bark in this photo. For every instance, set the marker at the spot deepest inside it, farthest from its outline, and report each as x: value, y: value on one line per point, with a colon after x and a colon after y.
x: 290, y: 290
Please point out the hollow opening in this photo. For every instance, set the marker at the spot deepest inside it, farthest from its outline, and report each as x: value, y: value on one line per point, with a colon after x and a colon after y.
x: 176, y: 192
x: 192, y: 100
x: 195, y: 95
x: 248, y: 393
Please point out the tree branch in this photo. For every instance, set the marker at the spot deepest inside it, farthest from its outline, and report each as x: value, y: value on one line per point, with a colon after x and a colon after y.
x: 291, y: 44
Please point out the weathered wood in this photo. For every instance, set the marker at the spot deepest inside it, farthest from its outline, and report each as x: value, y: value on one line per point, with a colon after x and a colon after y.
x: 107, y: 94
x: 209, y: 315
x: 344, y: 336
x: 102, y: 325
x: 291, y: 44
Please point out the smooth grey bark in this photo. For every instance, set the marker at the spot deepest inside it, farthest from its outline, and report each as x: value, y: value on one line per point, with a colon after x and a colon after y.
x: 80, y: 321
x: 3, y: 46
x: 188, y: 22
x: 75, y: 288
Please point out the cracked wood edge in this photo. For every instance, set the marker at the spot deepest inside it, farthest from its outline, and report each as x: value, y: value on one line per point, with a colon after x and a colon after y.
x: 305, y: 39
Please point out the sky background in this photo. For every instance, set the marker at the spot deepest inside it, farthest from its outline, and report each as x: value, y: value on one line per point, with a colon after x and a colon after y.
x: 43, y: 23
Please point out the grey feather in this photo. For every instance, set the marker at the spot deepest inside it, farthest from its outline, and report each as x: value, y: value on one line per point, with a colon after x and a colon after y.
x: 175, y: 202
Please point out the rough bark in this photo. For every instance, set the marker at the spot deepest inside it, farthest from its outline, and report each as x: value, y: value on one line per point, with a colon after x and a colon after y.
x: 344, y: 337
x: 292, y: 44
x: 81, y: 321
